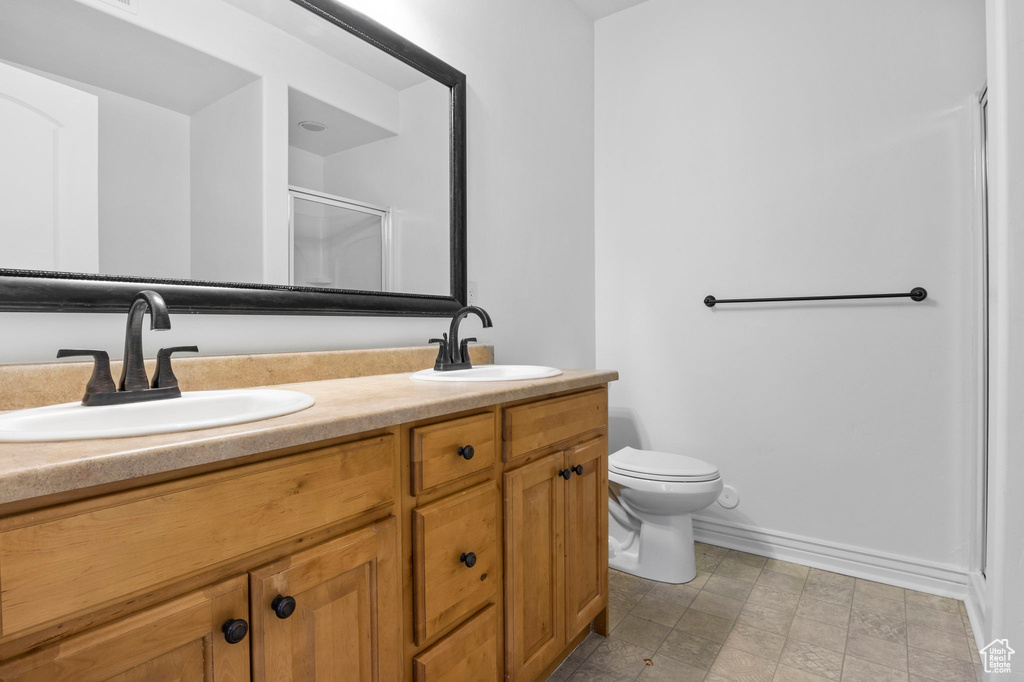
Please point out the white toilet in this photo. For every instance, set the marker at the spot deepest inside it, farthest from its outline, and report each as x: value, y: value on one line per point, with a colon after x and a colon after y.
x: 651, y: 496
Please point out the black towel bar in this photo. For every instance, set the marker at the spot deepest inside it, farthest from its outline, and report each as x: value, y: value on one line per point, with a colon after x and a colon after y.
x: 916, y: 294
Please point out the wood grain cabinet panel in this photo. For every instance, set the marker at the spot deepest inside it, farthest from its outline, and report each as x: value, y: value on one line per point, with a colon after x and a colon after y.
x: 340, y: 610
x: 438, y: 451
x: 546, y: 422
x: 454, y: 558
x: 534, y: 566
x: 109, y: 549
x: 586, y: 534
x: 179, y: 641
x: 470, y: 653
x: 346, y: 623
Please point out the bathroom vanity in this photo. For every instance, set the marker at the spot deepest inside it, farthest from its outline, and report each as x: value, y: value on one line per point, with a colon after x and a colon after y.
x: 395, y: 530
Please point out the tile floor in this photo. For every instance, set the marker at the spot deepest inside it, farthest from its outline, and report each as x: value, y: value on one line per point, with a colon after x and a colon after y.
x: 745, y: 618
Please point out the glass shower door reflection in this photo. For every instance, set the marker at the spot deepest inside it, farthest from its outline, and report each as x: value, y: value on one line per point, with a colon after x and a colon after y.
x: 338, y: 243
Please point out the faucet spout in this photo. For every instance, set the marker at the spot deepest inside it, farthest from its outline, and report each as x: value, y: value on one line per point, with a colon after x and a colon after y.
x: 133, y: 371
x: 455, y: 348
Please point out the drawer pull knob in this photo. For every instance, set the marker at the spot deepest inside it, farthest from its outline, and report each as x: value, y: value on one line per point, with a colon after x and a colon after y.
x: 578, y: 469
x: 468, y: 558
x: 565, y: 473
x: 235, y: 630
x: 283, y: 606
x: 466, y: 452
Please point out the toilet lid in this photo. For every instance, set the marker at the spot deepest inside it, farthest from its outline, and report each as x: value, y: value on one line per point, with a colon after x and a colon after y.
x: 662, y: 465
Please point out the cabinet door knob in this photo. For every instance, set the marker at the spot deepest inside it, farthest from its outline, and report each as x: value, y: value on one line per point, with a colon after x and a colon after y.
x: 565, y: 473
x: 235, y: 630
x: 283, y: 606
x: 468, y: 558
x: 466, y: 452
x: 578, y: 469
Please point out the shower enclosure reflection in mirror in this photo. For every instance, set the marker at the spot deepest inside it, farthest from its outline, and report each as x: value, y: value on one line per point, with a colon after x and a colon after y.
x: 281, y: 156
x: 340, y: 243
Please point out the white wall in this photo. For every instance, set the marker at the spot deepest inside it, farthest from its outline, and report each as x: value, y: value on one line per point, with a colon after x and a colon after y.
x: 794, y: 148
x: 144, y: 188
x: 305, y: 169
x: 529, y: 65
x: 997, y: 603
x: 227, y: 188
x: 409, y: 173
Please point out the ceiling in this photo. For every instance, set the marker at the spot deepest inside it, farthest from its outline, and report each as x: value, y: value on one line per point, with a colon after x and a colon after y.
x: 344, y: 130
x: 334, y: 41
x: 598, y: 9
x: 66, y: 38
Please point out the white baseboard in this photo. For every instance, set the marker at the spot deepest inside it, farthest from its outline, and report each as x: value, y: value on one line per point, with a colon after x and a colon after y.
x: 977, y: 598
x: 924, y: 576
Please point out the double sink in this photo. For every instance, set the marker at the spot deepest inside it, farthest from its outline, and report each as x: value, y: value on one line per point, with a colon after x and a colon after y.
x: 201, y: 409
x: 142, y: 411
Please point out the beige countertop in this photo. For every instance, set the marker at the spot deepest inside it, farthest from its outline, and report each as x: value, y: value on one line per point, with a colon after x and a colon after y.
x: 343, y: 407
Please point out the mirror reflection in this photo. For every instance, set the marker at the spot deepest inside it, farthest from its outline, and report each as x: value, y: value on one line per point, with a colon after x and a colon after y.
x: 218, y: 140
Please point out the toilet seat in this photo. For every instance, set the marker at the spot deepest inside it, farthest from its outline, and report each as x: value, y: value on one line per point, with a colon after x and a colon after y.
x: 651, y: 465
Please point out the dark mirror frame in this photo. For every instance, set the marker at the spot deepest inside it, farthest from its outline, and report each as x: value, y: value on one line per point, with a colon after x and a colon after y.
x: 44, y: 291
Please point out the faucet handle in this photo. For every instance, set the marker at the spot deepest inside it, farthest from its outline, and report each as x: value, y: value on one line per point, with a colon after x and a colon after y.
x: 164, y: 377
x: 101, y: 380
x: 443, y: 352
x: 464, y: 349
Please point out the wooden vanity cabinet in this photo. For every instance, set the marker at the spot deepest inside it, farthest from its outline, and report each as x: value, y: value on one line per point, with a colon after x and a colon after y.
x: 332, y: 612
x: 466, y: 547
x: 454, y: 558
x: 586, y: 534
x: 452, y: 508
x: 183, y: 640
x: 531, y: 427
x: 61, y: 562
x: 534, y: 566
x: 451, y: 451
x: 468, y: 653
x: 556, y: 537
x: 556, y: 552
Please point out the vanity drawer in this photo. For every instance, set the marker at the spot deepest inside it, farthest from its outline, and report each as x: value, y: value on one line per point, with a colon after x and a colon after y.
x: 536, y: 425
x: 438, y: 451
x: 468, y: 653
x: 63, y: 562
x: 448, y: 536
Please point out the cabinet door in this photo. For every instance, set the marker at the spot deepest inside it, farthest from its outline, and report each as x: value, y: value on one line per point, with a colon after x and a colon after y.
x: 586, y: 534
x: 330, y: 613
x: 182, y: 640
x: 534, y: 566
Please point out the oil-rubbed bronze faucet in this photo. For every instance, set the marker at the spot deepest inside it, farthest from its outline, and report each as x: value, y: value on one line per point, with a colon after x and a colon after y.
x: 453, y: 354
x: 134, y: 386
x: 133, y: 370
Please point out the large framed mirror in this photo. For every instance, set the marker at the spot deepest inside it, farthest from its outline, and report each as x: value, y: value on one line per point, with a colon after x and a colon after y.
x: 237, y: 156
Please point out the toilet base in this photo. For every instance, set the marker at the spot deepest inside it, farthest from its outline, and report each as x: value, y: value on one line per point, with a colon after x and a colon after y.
x: 661, y: 548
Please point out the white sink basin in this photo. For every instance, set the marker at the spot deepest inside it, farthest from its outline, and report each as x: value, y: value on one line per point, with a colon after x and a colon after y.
x: 195, y: 410
x: 489, y: 373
